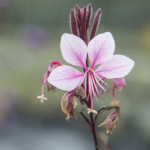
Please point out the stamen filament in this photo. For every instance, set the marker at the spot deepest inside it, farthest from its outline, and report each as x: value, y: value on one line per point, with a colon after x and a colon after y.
x: 92, y: 87
x: 91, y: 101
x: 100, y: 85
x: 82, y: 80
x: 85, y: 85
x: 95, y: 86
x: 89, y: 83
x: 101, y: 80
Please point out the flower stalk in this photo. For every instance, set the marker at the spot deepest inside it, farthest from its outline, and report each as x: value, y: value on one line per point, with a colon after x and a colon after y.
x: 88, y: 51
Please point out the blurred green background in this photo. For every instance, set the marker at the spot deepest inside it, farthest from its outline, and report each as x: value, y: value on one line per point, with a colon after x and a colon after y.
x: 30, y: 32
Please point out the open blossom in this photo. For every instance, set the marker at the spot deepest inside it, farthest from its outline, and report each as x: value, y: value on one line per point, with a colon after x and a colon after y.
x: 100, y: 51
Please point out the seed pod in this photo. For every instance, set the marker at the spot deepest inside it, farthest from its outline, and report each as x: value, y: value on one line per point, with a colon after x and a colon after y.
x: 68, y: 105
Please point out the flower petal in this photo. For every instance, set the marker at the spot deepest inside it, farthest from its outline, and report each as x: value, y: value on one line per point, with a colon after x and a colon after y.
x: 101, y: 48
x: 65, y: 78
x: 117, y: 67
x: 74, y: 50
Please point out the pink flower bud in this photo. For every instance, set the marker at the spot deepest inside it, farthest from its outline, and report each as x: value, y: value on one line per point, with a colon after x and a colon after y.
x: 119, y: 83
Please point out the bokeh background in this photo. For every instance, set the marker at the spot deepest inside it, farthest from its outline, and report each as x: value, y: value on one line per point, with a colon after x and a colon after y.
x: 30, y: 32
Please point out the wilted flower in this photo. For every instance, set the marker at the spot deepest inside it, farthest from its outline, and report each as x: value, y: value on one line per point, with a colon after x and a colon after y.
x: 68, y: 105
x: 111, y: 121
x: 100, y: 51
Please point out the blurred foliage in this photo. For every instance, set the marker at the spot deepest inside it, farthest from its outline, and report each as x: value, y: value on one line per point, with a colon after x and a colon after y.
x: 126, y: 14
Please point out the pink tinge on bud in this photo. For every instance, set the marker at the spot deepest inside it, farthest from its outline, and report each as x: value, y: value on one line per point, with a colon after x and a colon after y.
x: 51, y: 67
x: 119, y: 83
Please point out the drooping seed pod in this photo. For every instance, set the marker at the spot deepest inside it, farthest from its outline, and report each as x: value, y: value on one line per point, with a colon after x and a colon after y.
x: 68, y: 105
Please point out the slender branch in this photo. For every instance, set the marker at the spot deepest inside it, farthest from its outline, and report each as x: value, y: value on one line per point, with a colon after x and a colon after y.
x: 101, y: 110
x: 86, y: 119
x: 94, y: 131
x: 82, y: 21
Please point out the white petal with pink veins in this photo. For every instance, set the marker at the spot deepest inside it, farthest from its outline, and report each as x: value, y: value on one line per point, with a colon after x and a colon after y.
x: 101, y: 48
x: 74, y: 50
x: 116, y: 67
x: 65, y: 78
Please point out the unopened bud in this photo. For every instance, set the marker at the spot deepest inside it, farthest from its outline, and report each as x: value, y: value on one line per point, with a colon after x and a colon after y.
x: 119, y: 83
x: 111, y: 121
x: 68, y: 105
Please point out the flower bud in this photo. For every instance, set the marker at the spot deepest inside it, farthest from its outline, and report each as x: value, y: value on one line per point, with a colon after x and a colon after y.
x: 68, y: 105
x: 119, y: 83
x: 111, y: 121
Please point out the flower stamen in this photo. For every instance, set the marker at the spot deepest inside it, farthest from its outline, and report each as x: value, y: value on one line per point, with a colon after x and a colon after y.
x: 42, y: 98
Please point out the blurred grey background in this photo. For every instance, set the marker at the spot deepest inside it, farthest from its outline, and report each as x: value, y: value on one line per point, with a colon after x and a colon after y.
x: 30, y: 32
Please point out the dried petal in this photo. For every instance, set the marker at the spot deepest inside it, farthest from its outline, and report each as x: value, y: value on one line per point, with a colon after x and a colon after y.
x: 111, y: 121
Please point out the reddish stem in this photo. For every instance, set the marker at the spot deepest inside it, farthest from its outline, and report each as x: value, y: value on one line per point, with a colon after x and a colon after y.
x: 94, y: 132
x: 80, y: 20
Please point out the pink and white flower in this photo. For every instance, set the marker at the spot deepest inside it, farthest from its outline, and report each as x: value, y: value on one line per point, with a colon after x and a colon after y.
x: 100, y: 51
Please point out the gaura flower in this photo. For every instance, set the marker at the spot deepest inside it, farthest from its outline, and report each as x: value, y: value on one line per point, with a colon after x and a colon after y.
x: 100, y: 51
